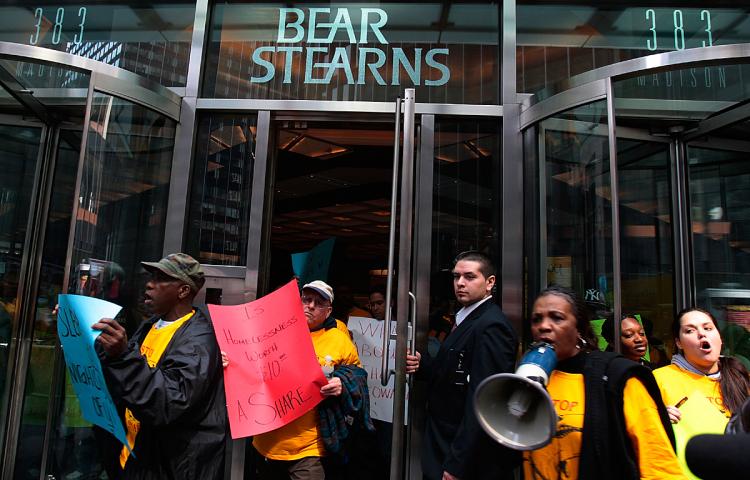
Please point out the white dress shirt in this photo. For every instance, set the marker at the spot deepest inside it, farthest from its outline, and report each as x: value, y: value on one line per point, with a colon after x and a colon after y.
x: 465, y: 311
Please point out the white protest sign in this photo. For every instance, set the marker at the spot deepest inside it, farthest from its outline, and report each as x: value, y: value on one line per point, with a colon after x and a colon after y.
x: 368, y: 336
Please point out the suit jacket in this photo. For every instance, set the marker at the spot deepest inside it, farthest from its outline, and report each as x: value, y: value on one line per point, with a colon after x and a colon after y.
x: 483, y: 345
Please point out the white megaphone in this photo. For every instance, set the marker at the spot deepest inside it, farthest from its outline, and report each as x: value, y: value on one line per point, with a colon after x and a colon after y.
x: 514, y: 408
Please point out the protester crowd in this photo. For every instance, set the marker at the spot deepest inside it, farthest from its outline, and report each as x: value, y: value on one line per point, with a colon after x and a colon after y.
x: 617, y: 416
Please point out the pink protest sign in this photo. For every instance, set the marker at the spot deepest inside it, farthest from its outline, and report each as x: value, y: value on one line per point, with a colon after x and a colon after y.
x: 273, y: 375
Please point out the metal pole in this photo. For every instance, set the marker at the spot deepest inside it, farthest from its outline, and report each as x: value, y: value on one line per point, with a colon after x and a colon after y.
x: 615, y: 210
x: 385, y: 373
x: 404, y: 283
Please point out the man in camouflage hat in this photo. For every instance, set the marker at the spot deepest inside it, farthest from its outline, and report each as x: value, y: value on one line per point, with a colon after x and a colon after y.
x: 168, y: 380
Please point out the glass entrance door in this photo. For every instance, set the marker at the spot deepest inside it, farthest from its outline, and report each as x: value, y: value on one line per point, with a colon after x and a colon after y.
x: 718, y: 185
x: 641, y: 188
x: 83, y: 192
x: 21, y: 145
x: 333, y: 182
x: 42, y: 123
x: 680, y: 141
x: 332, y: 191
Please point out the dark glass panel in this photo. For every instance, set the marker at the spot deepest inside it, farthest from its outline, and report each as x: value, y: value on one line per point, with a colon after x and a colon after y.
x: 220, y: 196
x: 448, y: 51
x: 148, y: 38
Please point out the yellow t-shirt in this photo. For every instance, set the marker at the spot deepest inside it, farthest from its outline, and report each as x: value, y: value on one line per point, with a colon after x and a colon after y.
x: 152, y: 348
x: 301, y: 438
x: 560, y: 458
x: 676, y: 384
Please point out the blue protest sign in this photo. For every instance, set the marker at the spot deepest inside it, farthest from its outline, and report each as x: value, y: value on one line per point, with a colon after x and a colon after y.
x: 75, y: 316
x: 313, y: 264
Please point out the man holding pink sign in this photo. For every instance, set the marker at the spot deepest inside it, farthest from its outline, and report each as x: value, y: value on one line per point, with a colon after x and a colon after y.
x: 277, y: 376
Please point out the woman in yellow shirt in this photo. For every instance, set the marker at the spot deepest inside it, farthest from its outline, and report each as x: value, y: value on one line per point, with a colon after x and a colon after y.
x: 699, y: 367
x: 611, y: 421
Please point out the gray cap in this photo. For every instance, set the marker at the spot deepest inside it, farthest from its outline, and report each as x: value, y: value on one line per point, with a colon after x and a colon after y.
x: 322, y: 288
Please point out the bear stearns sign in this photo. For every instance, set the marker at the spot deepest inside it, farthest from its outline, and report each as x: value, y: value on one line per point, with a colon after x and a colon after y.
x: 327, y: 42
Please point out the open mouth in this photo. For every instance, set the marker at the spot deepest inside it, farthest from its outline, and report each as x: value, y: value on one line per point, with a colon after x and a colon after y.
x: 705, y: 346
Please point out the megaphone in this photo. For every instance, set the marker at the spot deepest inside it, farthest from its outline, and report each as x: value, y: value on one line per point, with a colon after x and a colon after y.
x: 514, y: 408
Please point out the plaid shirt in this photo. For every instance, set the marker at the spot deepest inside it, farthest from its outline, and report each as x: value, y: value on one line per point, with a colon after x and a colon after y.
x: 336, y: 415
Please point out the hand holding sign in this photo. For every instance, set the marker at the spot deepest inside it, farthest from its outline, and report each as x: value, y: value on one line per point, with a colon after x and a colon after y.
x: 75, y: 317
x: 113, y: 337
x: 273, y: 375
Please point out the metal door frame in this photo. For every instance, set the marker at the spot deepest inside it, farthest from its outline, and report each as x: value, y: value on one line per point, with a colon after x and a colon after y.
x: 597, y: 85
x: 416, y: 280
x: 105, y: 79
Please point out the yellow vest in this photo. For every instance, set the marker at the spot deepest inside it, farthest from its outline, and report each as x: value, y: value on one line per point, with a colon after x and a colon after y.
x: 152, y: 348
x: 301, y: 437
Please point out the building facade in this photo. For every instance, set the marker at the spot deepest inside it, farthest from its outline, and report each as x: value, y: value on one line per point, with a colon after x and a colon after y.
x: 595, y: 145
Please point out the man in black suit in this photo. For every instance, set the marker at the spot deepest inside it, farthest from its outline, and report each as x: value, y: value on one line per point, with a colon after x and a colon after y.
x: 481, y: 344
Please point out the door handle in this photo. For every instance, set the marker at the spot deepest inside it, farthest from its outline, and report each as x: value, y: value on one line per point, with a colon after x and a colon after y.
x: 412, y: 323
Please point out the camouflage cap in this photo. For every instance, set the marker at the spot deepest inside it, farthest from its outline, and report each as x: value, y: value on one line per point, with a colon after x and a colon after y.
x: 180, y: 266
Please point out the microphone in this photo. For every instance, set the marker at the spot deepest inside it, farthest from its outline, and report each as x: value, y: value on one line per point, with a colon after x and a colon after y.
x: 719, y: 456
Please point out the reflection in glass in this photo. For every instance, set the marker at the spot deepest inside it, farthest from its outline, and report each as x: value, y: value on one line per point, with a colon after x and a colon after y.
x: 575, y: 204
x: 220, y: 195
x: 560, y: 39
x: 333, y: 180
x: 720, y: 214
x: 19, y: 147
x: 646, y: 248
x: 151, y: 39
x: 44, y: 355
x: 119, y: 222
x: 62, y: 140
x: 466, y: 208
x: 122, y: 200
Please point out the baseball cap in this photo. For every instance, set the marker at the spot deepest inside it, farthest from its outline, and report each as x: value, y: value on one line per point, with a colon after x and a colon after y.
x: 322, y: 288
x: 180, y: 266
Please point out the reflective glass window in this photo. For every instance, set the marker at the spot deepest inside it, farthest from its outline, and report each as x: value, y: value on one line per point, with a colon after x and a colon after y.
x: 560, y: 39
x: 120, y: 217
x: 720, y: 219
x: 354, y: 51
x: 466, y: 211
x: 148, y: 38
x: 646, y: 242
x: 575, y: 205
x: 18, y: 162
x: 46, y: 358
x: 654, y: 114
x: 49, y: 160
x: 220, y: 196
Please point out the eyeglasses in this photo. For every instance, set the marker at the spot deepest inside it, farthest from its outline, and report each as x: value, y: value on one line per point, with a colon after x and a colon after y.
x: 311, y: 300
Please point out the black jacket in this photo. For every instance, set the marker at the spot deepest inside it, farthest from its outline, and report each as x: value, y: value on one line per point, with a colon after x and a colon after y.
x: 606, y: 448
x: 484, y: 344
x: 180, y: 403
